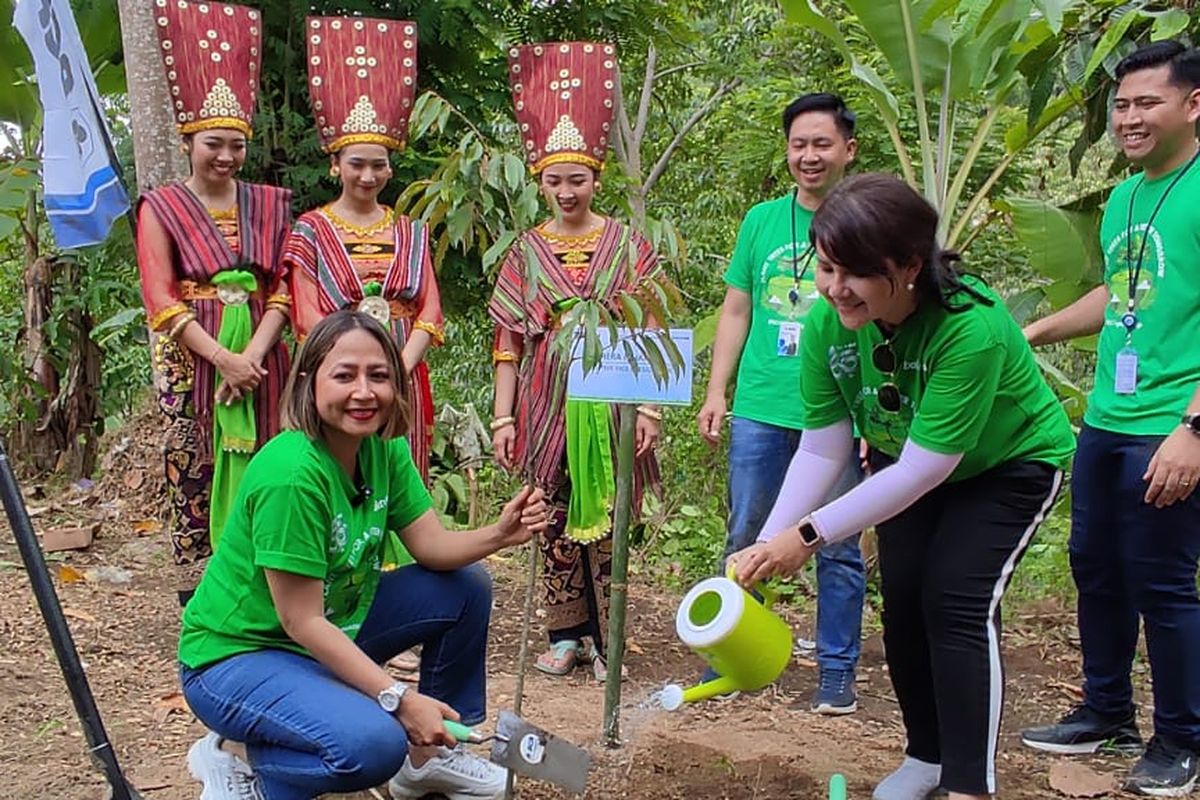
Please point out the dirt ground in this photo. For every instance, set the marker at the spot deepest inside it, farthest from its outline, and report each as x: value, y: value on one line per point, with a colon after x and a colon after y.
x: 124, y: 618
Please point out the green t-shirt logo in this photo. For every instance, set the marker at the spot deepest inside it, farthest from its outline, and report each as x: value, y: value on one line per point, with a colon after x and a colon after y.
x: 1153, y: 265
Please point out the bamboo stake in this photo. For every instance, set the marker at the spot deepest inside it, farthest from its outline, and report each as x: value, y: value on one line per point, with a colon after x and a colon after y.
x: 615, y: 650
x: 524, y: 384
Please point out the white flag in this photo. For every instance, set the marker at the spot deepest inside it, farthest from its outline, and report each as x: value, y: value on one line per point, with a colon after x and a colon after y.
x: 82, y: 192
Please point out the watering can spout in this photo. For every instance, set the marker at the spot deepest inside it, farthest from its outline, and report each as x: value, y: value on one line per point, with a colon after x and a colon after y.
x: 674, y: 696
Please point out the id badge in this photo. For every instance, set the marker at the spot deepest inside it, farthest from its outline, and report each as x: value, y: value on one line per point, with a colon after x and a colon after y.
x: 1126, y: 373
x: 788, y: 345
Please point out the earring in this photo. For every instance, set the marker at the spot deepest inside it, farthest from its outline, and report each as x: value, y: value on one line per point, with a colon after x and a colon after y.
x: 183, y: 148
x: 334, y: 171
x: 909, y: 287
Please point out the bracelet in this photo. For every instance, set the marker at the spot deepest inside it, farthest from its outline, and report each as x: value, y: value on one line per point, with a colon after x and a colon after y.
x: 650, y: 413
x: 279, y: 299
x: 435, y: 331
x: 213, y: 358
x: 502, y: 422
x: 178, y: 327
x: 501, y: 356
x: 159, y: 319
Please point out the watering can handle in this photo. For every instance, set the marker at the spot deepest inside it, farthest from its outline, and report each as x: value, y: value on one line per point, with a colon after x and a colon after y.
x: 769, y: 596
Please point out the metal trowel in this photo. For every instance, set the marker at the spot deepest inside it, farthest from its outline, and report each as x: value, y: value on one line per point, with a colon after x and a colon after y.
x: 530, y: 751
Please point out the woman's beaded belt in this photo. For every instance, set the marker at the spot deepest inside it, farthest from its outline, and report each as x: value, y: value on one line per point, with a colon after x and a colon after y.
x: 228, y: 295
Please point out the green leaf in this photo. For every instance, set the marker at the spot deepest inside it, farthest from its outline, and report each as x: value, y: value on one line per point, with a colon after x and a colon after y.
x: 116, y: 323
x: 884, y: 24
x: 498, y: 249
x: 1023, y: 305
x: 705, y: 332
x: 1052, y: 11
x: 514, y: 171
x: 1060, y: 243
x: 1112, y: 37
x: 458, y: 221
x: 1169, y: 24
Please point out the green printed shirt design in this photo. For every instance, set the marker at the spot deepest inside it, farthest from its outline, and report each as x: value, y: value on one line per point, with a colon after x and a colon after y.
x: 764, y: 265
x: 1167, y: 304
x: 968, y: 383
x: 294, y: 514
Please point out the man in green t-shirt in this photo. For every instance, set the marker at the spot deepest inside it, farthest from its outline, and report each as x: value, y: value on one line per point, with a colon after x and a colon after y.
x: 1135, y: 520
x: 769, y: 291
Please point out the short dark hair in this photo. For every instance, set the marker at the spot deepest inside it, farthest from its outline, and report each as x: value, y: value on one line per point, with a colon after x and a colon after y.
x: 828, y: 102
x: 1183, y: 61
x: 299, y: 408
x: 871, y: 219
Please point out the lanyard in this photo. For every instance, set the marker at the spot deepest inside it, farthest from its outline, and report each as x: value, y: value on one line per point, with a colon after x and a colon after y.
x: 1129, y: 318
x: 798, y: 273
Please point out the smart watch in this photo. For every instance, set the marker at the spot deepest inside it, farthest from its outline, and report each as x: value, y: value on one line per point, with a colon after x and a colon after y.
x: 809, y: 535
x: 1192, y: 422
x: 389, y: 699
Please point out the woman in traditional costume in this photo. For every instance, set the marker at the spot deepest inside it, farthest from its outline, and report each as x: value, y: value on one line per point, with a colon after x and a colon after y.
x: 564, y: 95
x: 209, y: 256
x: 354, y: 252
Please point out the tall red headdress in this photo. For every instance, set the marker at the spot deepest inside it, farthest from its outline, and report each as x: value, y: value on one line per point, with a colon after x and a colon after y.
x: 362, y: 77
x: 211, y: 55
x: 564, y: 93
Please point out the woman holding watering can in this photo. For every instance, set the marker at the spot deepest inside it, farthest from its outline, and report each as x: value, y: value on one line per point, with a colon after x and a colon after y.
x: 968, y: 446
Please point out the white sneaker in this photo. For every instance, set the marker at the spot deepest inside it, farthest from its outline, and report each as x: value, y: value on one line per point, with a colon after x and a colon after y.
x: 224, y: 775
x: 454, y: 773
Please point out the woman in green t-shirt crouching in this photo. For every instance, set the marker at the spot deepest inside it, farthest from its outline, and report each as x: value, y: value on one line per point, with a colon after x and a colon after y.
x: 968, y: 446
x: 282, y: 642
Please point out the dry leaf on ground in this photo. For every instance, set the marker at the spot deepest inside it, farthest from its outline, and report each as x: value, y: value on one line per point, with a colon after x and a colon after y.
x: 1077, y: 780
x: 144, y: 527
x: 168, y: 704
x: 68, y: 574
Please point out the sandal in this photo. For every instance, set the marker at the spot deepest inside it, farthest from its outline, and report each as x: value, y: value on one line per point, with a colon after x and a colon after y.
x: 600, y: 666
x: 560, y: 659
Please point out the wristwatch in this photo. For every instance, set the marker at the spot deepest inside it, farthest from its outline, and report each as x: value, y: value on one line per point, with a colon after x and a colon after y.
x: 809, y: 535
x: 389, y: 698
x: 1192, y: 422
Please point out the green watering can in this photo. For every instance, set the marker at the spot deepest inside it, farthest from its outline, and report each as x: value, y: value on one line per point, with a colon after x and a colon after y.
x: 742, y: 639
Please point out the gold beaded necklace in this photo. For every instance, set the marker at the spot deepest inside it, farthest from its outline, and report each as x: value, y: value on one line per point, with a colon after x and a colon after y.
x: 573, y: 250
x: 363, y: 231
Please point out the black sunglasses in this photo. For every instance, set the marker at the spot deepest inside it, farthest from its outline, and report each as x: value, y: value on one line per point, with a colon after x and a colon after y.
x: 883, y: 358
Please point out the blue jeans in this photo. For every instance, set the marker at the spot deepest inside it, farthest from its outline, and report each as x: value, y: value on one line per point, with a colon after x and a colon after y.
x: 308, y: 733
x: 1130, y: 559
x: 759, y: 455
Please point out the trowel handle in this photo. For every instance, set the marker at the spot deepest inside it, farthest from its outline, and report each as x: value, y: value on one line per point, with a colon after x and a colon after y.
x: 769, y: 596
x: 459, y: 731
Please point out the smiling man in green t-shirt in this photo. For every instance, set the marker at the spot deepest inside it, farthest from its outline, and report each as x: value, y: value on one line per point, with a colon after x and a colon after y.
x: 769, y: 291
x: 1135, y: 519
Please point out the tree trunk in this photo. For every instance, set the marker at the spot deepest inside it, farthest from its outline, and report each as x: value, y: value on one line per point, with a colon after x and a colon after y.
x: 156, y: 154
x: 35, y: 450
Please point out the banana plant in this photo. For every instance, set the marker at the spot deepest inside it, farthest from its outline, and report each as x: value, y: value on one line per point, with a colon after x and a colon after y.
x: 938, y: 55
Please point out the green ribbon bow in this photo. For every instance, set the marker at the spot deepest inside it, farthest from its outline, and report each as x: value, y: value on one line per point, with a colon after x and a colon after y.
x: 234, y: 428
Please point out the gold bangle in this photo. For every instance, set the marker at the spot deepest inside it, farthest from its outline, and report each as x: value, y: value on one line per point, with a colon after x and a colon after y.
x: 651, y: 413
x: 282, y: 308
x: 157, y: 321
x: 435, y: 331
x: 279, y: 300
x: 502, y: 422
x: 501, y: 356
x: 178, y: 327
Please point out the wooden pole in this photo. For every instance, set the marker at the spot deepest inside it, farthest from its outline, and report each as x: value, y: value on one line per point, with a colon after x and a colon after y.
x: 623, y: 513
